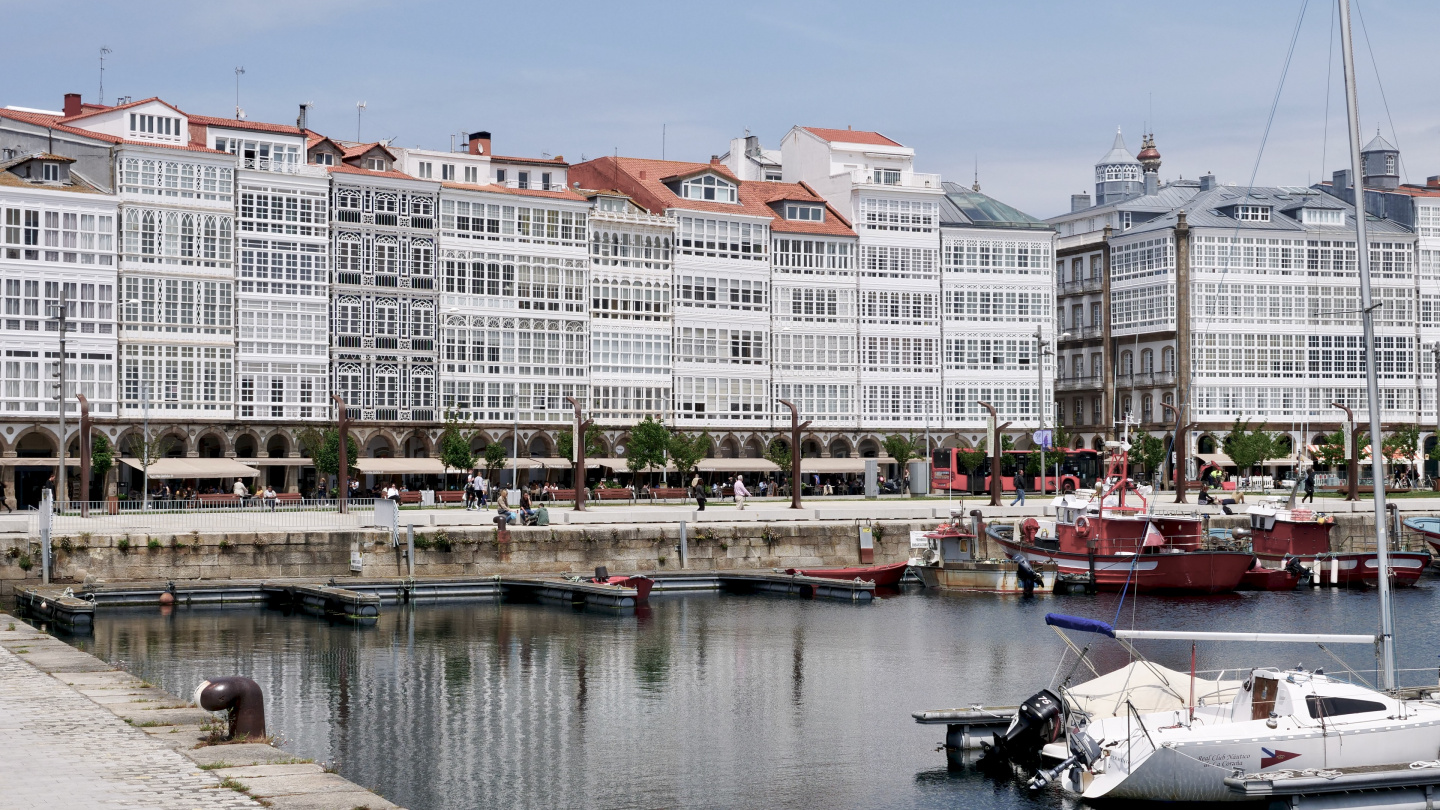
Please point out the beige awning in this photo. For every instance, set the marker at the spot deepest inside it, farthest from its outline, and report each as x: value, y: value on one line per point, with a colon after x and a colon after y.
x: 70, y: 461
x: 840, y: 465
x: 550, y: 463
x: 399, y: 466
x: 619, y: 464
x: 1218, y: 459
x: 195, y: 468
x: 735, y: 465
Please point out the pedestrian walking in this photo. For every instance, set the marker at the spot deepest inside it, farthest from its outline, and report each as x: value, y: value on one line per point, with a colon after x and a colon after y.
x: 469, y: 492
x: 741, y: 493
x: 241, y: 491
x: 484, y: 488
x: 1019, y: 489
x: 1309, y: 487
x: 697, y: 487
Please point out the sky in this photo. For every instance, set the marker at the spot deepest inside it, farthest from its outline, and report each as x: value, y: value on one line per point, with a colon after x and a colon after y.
x: 1030, y: 93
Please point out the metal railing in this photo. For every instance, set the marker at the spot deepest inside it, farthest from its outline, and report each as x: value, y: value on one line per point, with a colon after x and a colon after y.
x: 217, y: 513
x: 1076, y: 383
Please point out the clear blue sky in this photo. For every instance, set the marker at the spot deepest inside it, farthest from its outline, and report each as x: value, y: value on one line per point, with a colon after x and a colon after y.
x: 1034, y: 90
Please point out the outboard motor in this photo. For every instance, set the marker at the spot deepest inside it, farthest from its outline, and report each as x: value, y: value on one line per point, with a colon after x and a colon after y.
x: 1038, y: 722
x: 1294, y: 566
x: 1084, y: 752
x: 1026, y: 574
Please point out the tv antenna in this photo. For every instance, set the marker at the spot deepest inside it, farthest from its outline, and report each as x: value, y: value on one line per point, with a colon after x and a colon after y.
x: 359, y: 111
x: 239, y: 113
x: 104, y: 52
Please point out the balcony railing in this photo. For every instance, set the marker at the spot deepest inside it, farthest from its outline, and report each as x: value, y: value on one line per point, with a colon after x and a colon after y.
x: 1082, y: 286
x: 1077, y: 383
x: 1091, y: 332
x: 902, y: 179
x: 1145, y: 379
x: 280, y: 166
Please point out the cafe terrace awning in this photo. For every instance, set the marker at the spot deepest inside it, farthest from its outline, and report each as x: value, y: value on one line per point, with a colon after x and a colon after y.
x: 194, y: 468
x: 735, y: 465
x: 399, y: 466
x: 618, y: 464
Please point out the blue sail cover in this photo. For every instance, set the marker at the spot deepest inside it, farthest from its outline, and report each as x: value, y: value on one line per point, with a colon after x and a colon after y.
x: 1080, y: 624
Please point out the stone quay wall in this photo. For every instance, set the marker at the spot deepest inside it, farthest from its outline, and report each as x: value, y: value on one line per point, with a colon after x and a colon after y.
x: 449, y: 551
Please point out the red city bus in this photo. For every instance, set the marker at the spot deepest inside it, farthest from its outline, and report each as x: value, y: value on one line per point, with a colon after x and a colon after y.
x: 1078, y: 470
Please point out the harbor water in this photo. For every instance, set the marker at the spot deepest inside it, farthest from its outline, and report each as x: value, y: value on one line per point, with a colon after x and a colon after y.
x: 699, y: 700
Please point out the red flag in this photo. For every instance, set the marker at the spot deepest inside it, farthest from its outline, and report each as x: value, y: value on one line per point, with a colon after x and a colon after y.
x: 1153, y: 537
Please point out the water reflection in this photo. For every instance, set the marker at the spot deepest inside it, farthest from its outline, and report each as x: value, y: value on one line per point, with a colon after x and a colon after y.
x: 701, y: 701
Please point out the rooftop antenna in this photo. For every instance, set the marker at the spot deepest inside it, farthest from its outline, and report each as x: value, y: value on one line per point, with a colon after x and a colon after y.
x: 239, y: 71
x: 104, y: 52
x: 976, y: 187
x: 663, y: 133
x: 359, y: 110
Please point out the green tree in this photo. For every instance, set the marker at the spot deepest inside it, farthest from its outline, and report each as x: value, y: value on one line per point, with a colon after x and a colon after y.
x: 648, y: 442
x: 777, y: 452
x: 495, y: 458
x: 1147, y: 451
x: 1400, y: 444
x: 901, y: 448
x: 147, y: 450
x: 1331, y: 451
x: 1247, y: 447
x: 686, y: 450
x: 102, y: 456
x: 565, y: 444
x: 455, y: 452
x: 1060, y: 437
x: 323, y: 447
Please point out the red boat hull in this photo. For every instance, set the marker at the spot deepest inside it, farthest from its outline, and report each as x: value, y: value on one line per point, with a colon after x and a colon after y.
x: 882, y: 575
x: 1362, y: 567
x: 1268, y: 579
x: 1182, y: 572
x: 642, y: 585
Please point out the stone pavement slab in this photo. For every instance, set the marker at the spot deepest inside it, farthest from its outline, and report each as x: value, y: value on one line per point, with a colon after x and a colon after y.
x: 65, y: 739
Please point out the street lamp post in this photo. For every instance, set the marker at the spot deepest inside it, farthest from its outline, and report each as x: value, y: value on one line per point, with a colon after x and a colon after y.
x: 795, y: 428
x: 1182, y: 442
x: 1351, y: 432
x: 995, y: 482
x: 84, y: 455
x: 581, y: 426
x: 61, y: 315
x: 342, y: 424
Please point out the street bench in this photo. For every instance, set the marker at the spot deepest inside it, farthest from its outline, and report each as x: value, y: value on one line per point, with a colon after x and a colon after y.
x: 621, y: 494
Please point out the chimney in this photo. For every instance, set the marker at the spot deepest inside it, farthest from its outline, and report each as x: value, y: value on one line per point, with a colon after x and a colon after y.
x: 714, y: 160
x: 752, y: 145
x: 72, y: 105
x: 479, y: 143
x: 1433, y: 181
x: 1079, y: 202
x: 1207, y: 182
x: 1340, y: 180
x: 1152, y: 183
x: 303, y: 120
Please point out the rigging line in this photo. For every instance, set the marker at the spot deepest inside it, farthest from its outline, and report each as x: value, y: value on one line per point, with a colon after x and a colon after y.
x: 1230, y: 254
x: 1376, y: 67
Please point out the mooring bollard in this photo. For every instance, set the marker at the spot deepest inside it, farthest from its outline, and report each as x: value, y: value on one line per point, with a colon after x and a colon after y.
x: 241, y: 699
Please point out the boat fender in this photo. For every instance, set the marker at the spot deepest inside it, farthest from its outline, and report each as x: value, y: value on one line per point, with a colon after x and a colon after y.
x: 1082, y: 526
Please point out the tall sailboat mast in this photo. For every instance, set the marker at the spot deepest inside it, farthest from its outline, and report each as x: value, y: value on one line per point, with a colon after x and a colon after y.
x: 1372, y: 381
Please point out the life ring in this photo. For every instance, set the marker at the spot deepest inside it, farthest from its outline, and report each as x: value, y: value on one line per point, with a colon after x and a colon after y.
x: 1082, y: 526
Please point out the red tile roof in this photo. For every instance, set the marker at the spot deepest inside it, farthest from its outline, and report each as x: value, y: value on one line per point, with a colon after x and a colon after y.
x: 361, y: 148
x: 235, y: 123
x: 851, y: 136
x: 88, y: 113
x: 345, y: 168
x: 651, y: 192
x: 564, y: 194
x: 39, y: 119
x: 773, y: 195
x: 555, y: 161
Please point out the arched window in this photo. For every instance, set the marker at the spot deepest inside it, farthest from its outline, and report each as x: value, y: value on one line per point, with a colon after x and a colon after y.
x: 1147, y: 361
x: 1127, y: 406
x: 1167, y: 359
x: 708, y: 187
x: 1127, y: 363
x: 1147, y: 408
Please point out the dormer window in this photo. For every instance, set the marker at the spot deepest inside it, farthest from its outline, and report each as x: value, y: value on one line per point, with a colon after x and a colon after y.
x: 614, y: 204
x: 804, y: 213
x: 772, y: 177
x: 375, y: 164
x: 1322, y: 216
x: 50, y: 172
x: 324, y: 159
x: 708, y: 187
x: 1252, y: 213
x: 152, y: 127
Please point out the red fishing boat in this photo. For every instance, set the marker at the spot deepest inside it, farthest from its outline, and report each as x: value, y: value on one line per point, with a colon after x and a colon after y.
x: 1260, y: 578
x: 1116, y: 541
x: 885, y: 576
x: 1277, y: 532
x: 642, y: 585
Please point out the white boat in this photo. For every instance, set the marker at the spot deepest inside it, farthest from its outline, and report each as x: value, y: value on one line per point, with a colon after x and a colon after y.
x: 1128, y: 745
